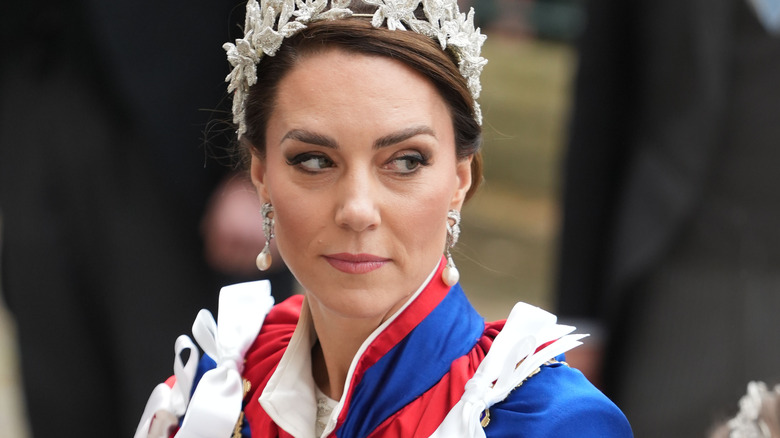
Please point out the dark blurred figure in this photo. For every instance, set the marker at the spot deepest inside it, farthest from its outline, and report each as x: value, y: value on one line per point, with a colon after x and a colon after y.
x: 671, y: 228
x: 103, y: 183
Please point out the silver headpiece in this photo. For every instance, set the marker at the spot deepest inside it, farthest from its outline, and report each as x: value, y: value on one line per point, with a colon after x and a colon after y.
x: 270, y: 21
x: 749, y: 421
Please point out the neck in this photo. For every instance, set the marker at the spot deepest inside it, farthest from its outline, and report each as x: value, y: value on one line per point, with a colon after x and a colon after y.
x: 339, y: 340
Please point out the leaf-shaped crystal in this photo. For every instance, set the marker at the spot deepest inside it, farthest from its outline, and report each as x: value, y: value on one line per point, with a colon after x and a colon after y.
x: 269, y: 22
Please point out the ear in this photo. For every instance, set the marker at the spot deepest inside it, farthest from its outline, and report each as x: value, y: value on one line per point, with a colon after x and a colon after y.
x: 257, y: 172
x: 463, y: 176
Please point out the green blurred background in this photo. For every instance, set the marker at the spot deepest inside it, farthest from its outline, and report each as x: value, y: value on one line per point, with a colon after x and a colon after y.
x: 508, y: 242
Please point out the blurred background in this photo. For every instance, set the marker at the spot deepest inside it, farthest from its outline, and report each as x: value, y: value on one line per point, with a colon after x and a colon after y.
x: 507, y: 247
x: 507, y: 244
x: 630, y: 182
x: 631, y: 160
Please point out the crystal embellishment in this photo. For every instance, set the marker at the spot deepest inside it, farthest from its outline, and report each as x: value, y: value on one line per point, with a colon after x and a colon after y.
x: 269, y: 22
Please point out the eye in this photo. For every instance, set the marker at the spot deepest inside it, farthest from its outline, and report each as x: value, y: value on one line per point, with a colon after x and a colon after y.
x: 407, y: 163
x: 310, y: 162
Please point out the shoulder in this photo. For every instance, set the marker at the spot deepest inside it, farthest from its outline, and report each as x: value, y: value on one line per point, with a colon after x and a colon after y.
x: 269, y: 345
x: 275, y: 334
x: 283, y: 316
x: 557, y: 401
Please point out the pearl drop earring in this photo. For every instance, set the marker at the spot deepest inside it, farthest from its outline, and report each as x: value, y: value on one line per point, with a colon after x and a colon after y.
x: 264, y: 258
x: 450, y: 274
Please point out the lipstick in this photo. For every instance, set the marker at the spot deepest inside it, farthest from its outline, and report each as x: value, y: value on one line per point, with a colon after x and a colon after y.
x: 356, y: 263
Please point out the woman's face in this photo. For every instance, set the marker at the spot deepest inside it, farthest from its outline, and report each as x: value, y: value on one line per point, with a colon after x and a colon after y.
x: 360, y: 167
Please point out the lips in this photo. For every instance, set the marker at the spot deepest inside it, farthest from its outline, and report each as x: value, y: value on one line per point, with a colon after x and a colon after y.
x: 356, y: 263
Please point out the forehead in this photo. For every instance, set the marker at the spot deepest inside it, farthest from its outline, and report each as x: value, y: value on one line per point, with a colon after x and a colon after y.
x: 336, y: 87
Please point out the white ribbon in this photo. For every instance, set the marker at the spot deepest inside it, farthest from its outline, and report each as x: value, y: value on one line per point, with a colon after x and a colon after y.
x: 216, y: 403
x: 511, y: 359
x: 172, y: 399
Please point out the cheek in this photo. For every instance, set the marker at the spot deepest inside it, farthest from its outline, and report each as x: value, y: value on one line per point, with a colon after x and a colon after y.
x: 297, y: 223
x: 294, y: 214
x: 420, y: 220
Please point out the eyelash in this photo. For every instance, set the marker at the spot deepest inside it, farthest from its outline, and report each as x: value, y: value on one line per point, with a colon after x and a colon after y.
x: 419, y: 160
x: 298, y: 161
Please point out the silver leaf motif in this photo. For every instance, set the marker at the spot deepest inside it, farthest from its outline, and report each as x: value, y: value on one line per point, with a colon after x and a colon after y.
x: 269, y: 22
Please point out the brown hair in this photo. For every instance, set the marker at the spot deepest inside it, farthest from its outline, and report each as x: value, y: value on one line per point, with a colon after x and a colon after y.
x: 357, y: 35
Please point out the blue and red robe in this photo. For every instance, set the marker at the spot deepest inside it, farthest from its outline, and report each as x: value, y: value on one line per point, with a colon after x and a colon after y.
x: 412, y: 374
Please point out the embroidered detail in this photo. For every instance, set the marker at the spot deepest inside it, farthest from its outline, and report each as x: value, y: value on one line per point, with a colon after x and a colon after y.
x: 485, y: 420
x: 529, y: 338
x: 247, y: 386
x: 239, y: 425
x: 485, y: 417
x: 325, y: 406
x: 552, y: 361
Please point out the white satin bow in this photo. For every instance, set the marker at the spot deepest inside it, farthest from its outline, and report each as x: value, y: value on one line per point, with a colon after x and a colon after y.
x: 511, y: 359
x: 172, y: 399
x: 216, y: 403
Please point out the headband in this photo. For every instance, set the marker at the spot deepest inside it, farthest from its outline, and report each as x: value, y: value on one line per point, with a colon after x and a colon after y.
x: 269, y: 22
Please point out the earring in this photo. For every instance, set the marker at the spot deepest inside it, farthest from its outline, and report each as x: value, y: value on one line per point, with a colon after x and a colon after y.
x: 264, y: 258
x: 450, y: 274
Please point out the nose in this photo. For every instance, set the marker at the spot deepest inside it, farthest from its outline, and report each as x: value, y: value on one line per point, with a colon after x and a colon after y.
x: 358, y: 207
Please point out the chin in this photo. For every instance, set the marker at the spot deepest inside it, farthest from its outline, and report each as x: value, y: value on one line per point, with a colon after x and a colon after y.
x: 360, y: 303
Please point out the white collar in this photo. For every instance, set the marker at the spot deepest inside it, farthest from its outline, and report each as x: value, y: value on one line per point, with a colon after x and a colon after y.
x: 289, y: 397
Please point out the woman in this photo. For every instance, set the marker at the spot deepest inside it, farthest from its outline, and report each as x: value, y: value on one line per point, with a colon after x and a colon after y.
x: 363, y: 134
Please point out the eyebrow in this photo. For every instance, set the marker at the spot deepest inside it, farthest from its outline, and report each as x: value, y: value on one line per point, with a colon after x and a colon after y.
x: 404, y: 134
x: 309, y: 137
